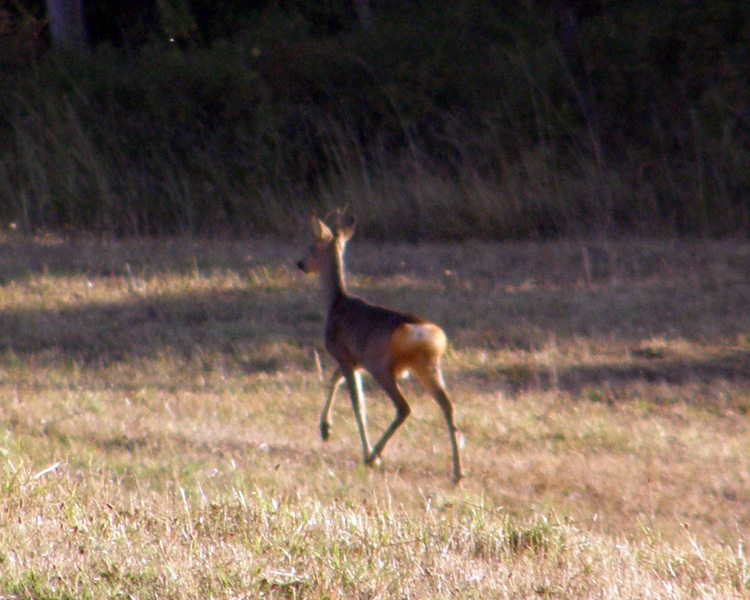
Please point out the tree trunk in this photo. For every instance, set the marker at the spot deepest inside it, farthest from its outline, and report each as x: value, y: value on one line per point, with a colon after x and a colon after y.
x: 66, y: 24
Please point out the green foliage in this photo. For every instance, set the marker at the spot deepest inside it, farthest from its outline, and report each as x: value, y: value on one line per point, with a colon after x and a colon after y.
x: 447, y: 119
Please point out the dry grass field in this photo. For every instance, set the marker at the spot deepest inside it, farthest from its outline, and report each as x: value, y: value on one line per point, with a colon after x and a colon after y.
x: 159, y: 438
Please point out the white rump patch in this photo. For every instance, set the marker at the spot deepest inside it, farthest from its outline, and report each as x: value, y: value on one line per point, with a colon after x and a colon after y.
x: 421, y: 332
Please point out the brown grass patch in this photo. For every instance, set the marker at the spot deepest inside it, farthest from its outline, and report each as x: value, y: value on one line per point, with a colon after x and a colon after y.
x: 160, y: 404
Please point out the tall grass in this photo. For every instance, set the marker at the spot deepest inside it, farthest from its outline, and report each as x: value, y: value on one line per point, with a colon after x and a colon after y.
x: 520, y: 139
x: 71, y: 165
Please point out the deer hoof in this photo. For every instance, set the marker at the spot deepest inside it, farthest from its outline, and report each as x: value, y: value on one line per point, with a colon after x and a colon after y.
x: 325, y: 430
x: 374, y: 461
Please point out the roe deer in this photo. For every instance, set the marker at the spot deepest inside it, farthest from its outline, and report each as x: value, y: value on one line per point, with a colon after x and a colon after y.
x: 386, y: 343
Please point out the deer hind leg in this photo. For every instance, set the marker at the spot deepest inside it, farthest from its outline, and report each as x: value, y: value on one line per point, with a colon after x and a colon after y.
x: 388, y: 382
x: 354, y: 382
x: 431, y: 377
x: 325, y: 418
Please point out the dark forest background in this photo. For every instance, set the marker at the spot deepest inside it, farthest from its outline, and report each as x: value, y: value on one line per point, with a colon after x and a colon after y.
x: 428, y: 119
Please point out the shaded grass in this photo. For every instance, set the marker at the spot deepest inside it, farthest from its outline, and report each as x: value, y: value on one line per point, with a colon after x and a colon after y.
x: 160, y: 404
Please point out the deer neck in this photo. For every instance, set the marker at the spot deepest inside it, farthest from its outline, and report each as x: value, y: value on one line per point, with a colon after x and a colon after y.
x: 332, y: 278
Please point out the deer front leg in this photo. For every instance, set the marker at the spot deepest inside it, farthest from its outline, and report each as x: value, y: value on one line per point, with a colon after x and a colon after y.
x: 325, y: 417
x: 354, y: 382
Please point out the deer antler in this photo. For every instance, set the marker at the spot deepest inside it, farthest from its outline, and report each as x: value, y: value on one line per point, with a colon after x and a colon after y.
x: 336, y: 219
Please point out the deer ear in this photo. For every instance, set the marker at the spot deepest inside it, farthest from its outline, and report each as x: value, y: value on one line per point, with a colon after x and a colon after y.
x: 321, y: 230
x: 347, y: 231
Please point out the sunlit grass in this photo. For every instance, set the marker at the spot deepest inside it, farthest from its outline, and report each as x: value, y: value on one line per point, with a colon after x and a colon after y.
x: 160, y: 407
